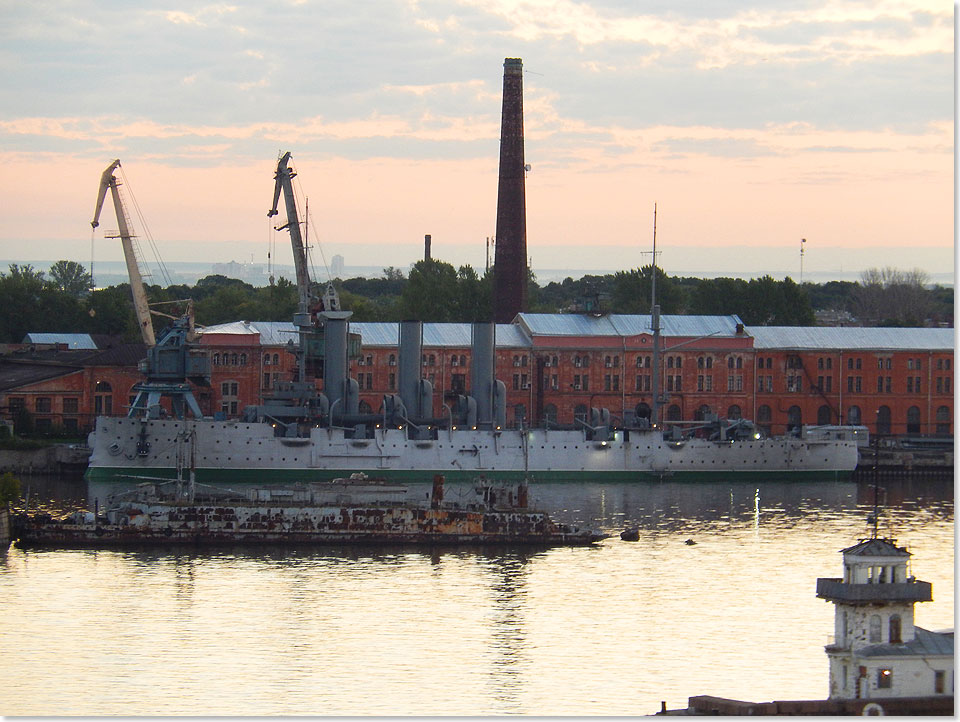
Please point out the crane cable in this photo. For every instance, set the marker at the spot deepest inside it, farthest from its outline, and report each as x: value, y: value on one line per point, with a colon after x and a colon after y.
x: 165, y: 274
x: 298, y: 193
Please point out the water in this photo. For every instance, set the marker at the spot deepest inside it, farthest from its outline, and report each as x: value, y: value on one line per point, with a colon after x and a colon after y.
x: 609, y: 630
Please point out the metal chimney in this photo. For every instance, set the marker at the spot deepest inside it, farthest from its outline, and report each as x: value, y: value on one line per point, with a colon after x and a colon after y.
x: 411, y: 351
x: 510, y: 261
x: 483, y: 349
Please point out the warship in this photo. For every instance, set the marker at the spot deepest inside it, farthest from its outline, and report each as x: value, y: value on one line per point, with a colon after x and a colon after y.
x: 300, y: 433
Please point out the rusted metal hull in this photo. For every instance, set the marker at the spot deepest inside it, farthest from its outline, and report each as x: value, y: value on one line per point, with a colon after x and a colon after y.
x: 217, y: 524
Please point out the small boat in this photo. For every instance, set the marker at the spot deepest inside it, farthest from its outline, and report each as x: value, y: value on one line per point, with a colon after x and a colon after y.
x: 350, y: 510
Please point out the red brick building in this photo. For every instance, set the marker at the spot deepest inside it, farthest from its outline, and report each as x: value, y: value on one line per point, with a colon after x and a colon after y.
x: 554, y: 366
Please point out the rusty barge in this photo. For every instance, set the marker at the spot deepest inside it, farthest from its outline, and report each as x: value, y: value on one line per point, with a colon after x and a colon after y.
x: 345, y: 511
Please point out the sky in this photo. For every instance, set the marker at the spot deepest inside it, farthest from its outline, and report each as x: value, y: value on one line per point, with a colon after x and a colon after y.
x: 750, y: 125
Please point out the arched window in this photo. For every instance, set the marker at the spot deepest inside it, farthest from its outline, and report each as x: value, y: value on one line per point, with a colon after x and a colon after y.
x: 764, y: 417
x: 699, y: 362
x: 646, y: 362
x: 520, y: 414
x: 913, y: 420
x: 433, y: 360
x: 875, y: 629
x: 709, y: 362
x: 895, y: 637
x: 216, y: 359
x: 586, y: 361
x: 739, y: 362
x: 392, y: 360
x: 702, y: 412
x: 550, y: 413
x: 853, y: 415
x: 276, y: 359
x: 794, y: 418
x: 234, y: 358
x: 103, y: 399
x: 580, y: 413
x: 243, y: 359
x: 943, y: 420
x: 463, y: 360
x: 669, y: 362
x: 734, y: 412
x: 824, y: 415
x: 266, y: 359
x: 883, y: 420
x: 673, y: 413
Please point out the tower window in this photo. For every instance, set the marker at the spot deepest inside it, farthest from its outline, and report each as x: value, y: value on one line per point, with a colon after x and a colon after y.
x: 884, y: 678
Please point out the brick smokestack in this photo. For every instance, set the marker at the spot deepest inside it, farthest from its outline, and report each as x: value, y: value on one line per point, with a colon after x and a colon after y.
x: 426, y: 247
x: 510, y: 260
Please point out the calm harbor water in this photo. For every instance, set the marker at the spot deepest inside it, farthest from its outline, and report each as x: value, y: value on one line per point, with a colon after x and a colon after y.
x: 609, y: 630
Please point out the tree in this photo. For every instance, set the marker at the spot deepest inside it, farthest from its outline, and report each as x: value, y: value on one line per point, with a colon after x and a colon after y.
x: 431, y: 292
x: 71, y: 278
x: 890, y: 297
x: 474, y: 295
x: 632, y: 291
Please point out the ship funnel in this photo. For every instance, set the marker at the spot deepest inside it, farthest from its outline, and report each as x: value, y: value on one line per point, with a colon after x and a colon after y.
x: 343, y: 400
x: 411, y: 353
x: 482, y: 386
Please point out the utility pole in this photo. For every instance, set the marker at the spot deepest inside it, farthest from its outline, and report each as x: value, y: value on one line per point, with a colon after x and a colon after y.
x: 802, y: 242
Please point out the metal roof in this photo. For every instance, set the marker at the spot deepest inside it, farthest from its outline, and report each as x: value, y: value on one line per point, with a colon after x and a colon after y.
x: 575, y: 324
x: 437, y: 335
x: 377, y: 333
x: 875, y: 548
x: 852, y: 338
x: 925, y: 643
x: 77, y: 341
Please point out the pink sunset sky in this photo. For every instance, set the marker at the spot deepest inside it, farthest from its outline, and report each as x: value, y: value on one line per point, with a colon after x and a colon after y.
x: 750, y: 125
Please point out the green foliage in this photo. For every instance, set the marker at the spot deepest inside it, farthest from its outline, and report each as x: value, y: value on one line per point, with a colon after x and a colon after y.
x: 437, y: 291
x: 632, y: 291
x: 431, y: 292
x: 9, y: 488
x: 71, y: 278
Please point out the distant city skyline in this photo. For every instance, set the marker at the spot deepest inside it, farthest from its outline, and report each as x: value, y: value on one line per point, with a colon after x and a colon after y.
x: 820, y: 265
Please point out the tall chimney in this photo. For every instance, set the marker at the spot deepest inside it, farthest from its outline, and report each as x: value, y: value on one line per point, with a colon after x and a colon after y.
x: 426, y: 247
x: 510, y: 259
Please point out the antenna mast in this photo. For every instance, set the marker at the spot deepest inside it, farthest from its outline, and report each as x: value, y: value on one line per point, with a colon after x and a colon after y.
x: 655, y: 327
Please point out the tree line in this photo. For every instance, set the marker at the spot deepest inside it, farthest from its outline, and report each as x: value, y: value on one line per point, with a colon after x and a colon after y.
x: 60, y: 300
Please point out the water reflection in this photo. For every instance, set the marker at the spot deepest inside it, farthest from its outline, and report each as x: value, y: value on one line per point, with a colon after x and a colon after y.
x: 347, y: 629
x: 506, y: 575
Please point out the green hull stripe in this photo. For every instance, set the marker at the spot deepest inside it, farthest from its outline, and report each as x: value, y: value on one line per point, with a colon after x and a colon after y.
x: 289, y: 476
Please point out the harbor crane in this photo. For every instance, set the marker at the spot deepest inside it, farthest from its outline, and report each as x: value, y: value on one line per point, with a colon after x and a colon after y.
x: 173, y: 360
x: 109, y: 181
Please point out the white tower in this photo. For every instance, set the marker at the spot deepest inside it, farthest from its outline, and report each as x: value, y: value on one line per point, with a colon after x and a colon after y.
x: 878, y: 652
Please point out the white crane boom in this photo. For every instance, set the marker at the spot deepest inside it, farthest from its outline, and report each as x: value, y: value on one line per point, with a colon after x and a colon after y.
x: 108, y: 180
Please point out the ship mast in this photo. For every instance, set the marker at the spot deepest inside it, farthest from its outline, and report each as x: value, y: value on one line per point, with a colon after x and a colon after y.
x: 655, y: 326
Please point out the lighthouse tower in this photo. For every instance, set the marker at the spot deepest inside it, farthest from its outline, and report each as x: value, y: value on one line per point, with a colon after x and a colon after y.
x: 878, y: 652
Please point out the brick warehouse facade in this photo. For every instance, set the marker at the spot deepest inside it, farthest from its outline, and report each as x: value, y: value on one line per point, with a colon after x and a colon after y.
x: 557, y: 366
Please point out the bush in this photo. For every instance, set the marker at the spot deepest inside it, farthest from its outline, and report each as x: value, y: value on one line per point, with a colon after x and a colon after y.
x: 9, y: 488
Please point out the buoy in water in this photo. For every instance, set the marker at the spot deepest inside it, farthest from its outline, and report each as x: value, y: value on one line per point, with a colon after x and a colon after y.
x: 630, y: 534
